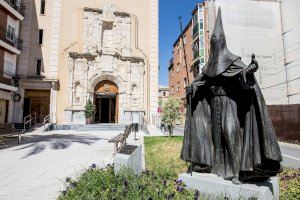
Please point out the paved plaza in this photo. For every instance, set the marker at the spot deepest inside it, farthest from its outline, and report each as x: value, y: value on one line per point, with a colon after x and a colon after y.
x: 37, y: 168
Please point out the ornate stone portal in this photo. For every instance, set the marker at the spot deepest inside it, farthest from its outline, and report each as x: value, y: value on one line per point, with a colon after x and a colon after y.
x: 107, y: 57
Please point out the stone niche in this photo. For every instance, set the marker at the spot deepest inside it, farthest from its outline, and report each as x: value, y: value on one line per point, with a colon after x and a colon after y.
x: 107, y: 56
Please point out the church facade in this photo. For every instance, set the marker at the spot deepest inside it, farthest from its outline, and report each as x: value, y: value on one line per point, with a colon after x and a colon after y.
x: 103, y: 51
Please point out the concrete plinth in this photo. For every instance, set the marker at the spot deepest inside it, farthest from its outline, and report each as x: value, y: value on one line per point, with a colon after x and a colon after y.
x: 130, y: 156
x: 215, y: 186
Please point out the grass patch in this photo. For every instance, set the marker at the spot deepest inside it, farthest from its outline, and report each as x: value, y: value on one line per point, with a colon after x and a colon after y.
x: 289, y: 184
x: 163, y: 156
x: 159, y: 181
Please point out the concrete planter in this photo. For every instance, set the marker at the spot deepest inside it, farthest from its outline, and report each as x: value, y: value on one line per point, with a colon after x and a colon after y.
x: 129, y: 157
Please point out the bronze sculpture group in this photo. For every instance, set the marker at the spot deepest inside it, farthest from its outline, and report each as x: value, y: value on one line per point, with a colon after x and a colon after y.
x: 228, y: 131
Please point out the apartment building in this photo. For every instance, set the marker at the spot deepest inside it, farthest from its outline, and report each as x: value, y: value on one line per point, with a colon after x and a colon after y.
x: 192, y: 44
x: 11, y: 17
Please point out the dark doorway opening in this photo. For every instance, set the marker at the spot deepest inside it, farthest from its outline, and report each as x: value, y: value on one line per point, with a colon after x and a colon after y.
x: 105, y: 109
x: 26, y: 111
x: 104, y: 117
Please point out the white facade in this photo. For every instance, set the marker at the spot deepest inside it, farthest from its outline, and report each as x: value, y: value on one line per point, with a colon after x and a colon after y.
x: 291, y: 38
x: 86, y: 42
x: 270, y: 30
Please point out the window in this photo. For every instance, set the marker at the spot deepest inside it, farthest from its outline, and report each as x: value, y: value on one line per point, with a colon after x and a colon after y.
x: 9, y: 64
x: 43, y: 5
x: 10, y: 33
x: 38, y: 67
x: 172, y: 90
x: 185, y: 82
x: 195, y: 19
x: 184, y: 40
x: 178, y: 87
x: 41, y: 35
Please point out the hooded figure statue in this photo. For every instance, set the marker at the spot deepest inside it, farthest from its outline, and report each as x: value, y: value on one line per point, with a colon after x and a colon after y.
x: 228, y: 130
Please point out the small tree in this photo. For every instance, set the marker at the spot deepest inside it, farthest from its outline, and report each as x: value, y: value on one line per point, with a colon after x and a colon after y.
x: 89, y: 109
x: 170, y: 113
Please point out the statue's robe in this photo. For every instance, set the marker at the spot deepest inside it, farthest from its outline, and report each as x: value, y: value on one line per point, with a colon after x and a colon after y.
x: 229, y: 129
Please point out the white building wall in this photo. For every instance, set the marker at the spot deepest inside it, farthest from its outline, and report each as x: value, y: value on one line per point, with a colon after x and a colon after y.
x: 153, y: 56
x: 255, y: 27
x: 291, y: 34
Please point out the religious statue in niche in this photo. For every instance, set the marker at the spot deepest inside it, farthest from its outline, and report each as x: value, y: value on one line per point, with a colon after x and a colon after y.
x: 228, y: 131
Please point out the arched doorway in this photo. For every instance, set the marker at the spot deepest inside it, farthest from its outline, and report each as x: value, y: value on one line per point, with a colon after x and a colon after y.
x: 106, y: 101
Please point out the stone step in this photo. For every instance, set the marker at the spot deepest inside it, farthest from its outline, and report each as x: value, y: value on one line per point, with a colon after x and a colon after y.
x: 92, y: 127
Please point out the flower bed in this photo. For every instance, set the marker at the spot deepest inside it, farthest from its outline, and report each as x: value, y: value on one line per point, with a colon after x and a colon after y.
x: 158, y: 182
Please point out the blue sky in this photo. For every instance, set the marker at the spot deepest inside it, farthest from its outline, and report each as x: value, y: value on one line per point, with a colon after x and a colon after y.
x: 169, y: 11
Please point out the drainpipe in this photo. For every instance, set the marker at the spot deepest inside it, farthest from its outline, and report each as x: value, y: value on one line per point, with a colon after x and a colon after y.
x: 284, y: 54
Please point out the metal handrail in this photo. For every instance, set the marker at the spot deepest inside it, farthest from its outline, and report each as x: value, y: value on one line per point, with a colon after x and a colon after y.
x: 28, y: 120
x: 48, y: 118
x: 144, y: 125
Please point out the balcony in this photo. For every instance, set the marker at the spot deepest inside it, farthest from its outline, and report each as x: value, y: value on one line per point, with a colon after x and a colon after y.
x: 10, y: 38
x: 17, y: 5
x: 8, y: 78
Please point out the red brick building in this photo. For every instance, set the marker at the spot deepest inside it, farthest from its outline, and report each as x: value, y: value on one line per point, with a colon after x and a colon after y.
x: 11, y: 15
x: 195, y: 42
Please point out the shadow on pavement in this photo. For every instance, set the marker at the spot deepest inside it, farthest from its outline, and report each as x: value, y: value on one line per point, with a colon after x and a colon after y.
x: 38, y: 143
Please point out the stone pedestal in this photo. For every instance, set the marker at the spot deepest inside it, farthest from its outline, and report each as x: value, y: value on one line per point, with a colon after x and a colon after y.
x: 130, y: 157
x: 215, y: 186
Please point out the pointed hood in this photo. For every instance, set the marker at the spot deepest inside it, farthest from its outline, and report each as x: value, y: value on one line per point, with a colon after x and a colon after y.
x: 220, y: 57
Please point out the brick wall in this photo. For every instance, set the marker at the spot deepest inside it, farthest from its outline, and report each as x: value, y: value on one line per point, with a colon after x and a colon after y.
x: 178, y: 72
x: 286, y: 121
x: 3, y: 18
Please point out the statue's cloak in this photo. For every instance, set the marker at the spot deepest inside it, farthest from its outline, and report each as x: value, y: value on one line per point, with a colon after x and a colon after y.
x: 259, y: 146
x: 228, y: 128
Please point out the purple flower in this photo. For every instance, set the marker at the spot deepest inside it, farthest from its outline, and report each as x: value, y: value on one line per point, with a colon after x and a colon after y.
x: 179, y: 188
x: 68, y: 179
x: 196, y: 195
x: 93, y: 166
x: 165, y: 182
x: 125, y: 183
x: 178, y: 181
x: 73, y: 184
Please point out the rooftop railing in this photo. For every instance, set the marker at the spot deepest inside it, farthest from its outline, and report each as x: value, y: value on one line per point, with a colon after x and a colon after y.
x: 10, y: 38
x: 17, y: 5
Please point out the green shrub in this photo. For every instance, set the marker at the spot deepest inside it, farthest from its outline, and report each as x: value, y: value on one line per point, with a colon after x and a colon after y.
x: 89, y: 109
x: 170, y: 113
x: 104, y: 184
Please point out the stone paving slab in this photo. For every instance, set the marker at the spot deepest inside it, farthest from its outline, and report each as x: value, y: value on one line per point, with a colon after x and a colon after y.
x: 37, y: 168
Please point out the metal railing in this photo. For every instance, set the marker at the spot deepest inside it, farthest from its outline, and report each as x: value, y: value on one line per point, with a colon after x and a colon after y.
x: 144, y: 125
x: 31, y: 120
x: 49, y: 119
x: 17, y: 5
x: 10, y: 38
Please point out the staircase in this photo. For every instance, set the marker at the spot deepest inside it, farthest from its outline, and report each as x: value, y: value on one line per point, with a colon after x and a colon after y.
x: 101, y: 127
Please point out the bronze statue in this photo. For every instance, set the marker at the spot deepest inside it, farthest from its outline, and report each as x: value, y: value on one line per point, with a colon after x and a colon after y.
x: 228, y: 130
